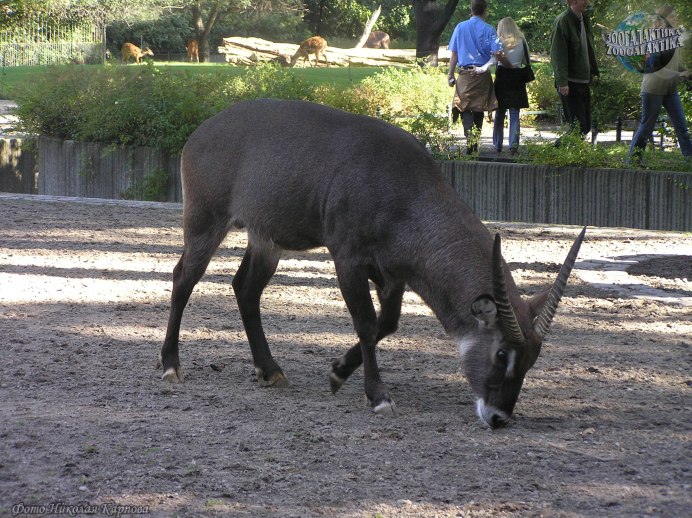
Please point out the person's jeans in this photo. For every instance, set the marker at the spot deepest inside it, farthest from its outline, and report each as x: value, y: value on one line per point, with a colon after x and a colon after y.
x: 577, y: 105
x: 499, y: 129
x: 651, y: 107
x: 470, y: 120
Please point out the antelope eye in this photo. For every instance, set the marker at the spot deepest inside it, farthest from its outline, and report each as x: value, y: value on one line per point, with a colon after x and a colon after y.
x: 502, y: 357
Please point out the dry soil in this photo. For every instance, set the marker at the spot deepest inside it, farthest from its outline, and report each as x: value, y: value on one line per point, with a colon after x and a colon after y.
x: 602, y: 428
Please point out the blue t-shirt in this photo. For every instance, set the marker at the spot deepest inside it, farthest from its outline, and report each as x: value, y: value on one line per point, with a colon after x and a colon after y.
x: 474, y: 41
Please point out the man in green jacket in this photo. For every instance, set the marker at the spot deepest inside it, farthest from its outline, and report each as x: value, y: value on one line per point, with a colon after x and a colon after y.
x: 574, y: 62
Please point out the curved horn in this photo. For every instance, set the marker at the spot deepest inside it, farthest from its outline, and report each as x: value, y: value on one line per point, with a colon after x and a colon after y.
x: 542, y: 324
x: 505, y: 313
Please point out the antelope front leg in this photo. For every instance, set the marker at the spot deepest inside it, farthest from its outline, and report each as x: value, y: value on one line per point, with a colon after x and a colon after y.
x: 356, y: 292
x: 256, y: 269
x: 390, y: 298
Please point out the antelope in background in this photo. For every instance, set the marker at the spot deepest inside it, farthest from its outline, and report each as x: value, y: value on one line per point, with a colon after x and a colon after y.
x: 315, y: 45
x: 131, y: 50
x: 192, y: 49
x: 377, y: 40
x: 375, y: 198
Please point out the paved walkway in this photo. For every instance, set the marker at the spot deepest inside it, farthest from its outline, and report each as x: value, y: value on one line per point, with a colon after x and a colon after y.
x: 541, y: 131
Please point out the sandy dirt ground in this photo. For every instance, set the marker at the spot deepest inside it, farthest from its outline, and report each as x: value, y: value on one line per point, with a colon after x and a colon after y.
x: 603, y: 426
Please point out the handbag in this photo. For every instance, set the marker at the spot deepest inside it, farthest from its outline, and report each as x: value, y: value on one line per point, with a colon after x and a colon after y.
x: 527, y: 72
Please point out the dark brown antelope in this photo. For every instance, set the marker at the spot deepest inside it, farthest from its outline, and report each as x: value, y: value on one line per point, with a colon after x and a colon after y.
x: 377, y: 40
x: 315, y: 45
x: 375, y: 198
x: 131, y: 50
x: 192, y: 49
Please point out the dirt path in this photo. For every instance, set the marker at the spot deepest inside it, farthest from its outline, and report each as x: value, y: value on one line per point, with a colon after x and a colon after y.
x: 603, y: 427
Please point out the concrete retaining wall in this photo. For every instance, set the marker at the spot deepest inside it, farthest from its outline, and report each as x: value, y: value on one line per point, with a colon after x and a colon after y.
x: 91, y: 170
x: 495, y: 191
x: 18, y: 171
x: 600, y: 197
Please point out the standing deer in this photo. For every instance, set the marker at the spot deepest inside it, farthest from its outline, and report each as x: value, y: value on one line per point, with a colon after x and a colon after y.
x: 376, y: 199
x: 377, y: 40
x: 130, y: 49
x: 192, y: 49
x: 315, y: 45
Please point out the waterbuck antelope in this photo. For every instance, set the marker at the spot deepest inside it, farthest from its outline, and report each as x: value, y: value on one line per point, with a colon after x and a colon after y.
x: 375, y: 198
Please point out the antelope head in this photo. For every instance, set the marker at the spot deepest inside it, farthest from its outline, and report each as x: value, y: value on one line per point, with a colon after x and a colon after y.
x: 507, y: 340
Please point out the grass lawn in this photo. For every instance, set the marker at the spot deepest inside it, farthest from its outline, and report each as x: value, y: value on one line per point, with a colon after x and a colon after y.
x: 342, y: 77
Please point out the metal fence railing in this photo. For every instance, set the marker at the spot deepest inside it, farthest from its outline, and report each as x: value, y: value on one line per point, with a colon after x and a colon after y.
x: 47, y: 40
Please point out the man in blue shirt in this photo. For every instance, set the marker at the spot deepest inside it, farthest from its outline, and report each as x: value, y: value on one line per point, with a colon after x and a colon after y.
x: 475, y: 47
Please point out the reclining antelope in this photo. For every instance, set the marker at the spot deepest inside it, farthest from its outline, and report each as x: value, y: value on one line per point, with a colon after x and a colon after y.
x: 375, y: 198
x: 377, y: 40
x: 131, y: 50
x: 315, y: 45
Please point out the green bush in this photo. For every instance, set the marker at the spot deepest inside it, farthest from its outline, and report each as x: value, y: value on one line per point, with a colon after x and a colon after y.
x: 575, y: 151
x: 417, y: 100
x: 148, y: 106
x: 404, y: 92
x: 615, y: 94
x: 542, y: 91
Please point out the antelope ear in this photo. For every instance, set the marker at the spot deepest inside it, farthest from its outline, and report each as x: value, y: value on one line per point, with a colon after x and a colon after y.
x: 537, y: 302
x: 484, y: 310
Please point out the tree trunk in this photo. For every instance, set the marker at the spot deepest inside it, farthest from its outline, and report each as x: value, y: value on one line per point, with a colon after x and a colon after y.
x: 202, y: 29
x: 431, y: 20
x: 368, y: 27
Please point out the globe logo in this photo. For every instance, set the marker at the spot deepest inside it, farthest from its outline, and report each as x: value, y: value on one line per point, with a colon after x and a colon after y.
x: 643, y: 42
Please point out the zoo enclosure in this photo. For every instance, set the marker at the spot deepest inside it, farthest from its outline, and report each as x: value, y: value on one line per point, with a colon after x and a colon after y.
x: 42, y: 39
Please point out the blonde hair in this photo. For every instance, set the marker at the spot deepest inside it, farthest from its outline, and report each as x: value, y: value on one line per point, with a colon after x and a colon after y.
x: 509, y: 33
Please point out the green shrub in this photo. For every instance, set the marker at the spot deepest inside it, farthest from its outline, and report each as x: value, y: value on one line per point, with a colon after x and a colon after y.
x: 615, y: 94
x: 406, y: 92
x: 542, y: 91
x: 573, y: 151
x: 148, y: 106
x: 417, y: 100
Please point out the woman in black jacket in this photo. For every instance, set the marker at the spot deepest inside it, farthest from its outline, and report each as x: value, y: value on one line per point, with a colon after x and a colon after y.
x: 510, y: 88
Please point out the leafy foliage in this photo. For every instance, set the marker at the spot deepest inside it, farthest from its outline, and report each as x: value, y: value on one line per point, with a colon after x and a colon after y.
x: 573, y: 151
x: 168, y: 33
x: 148, y: 106
x: 542, y: 92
